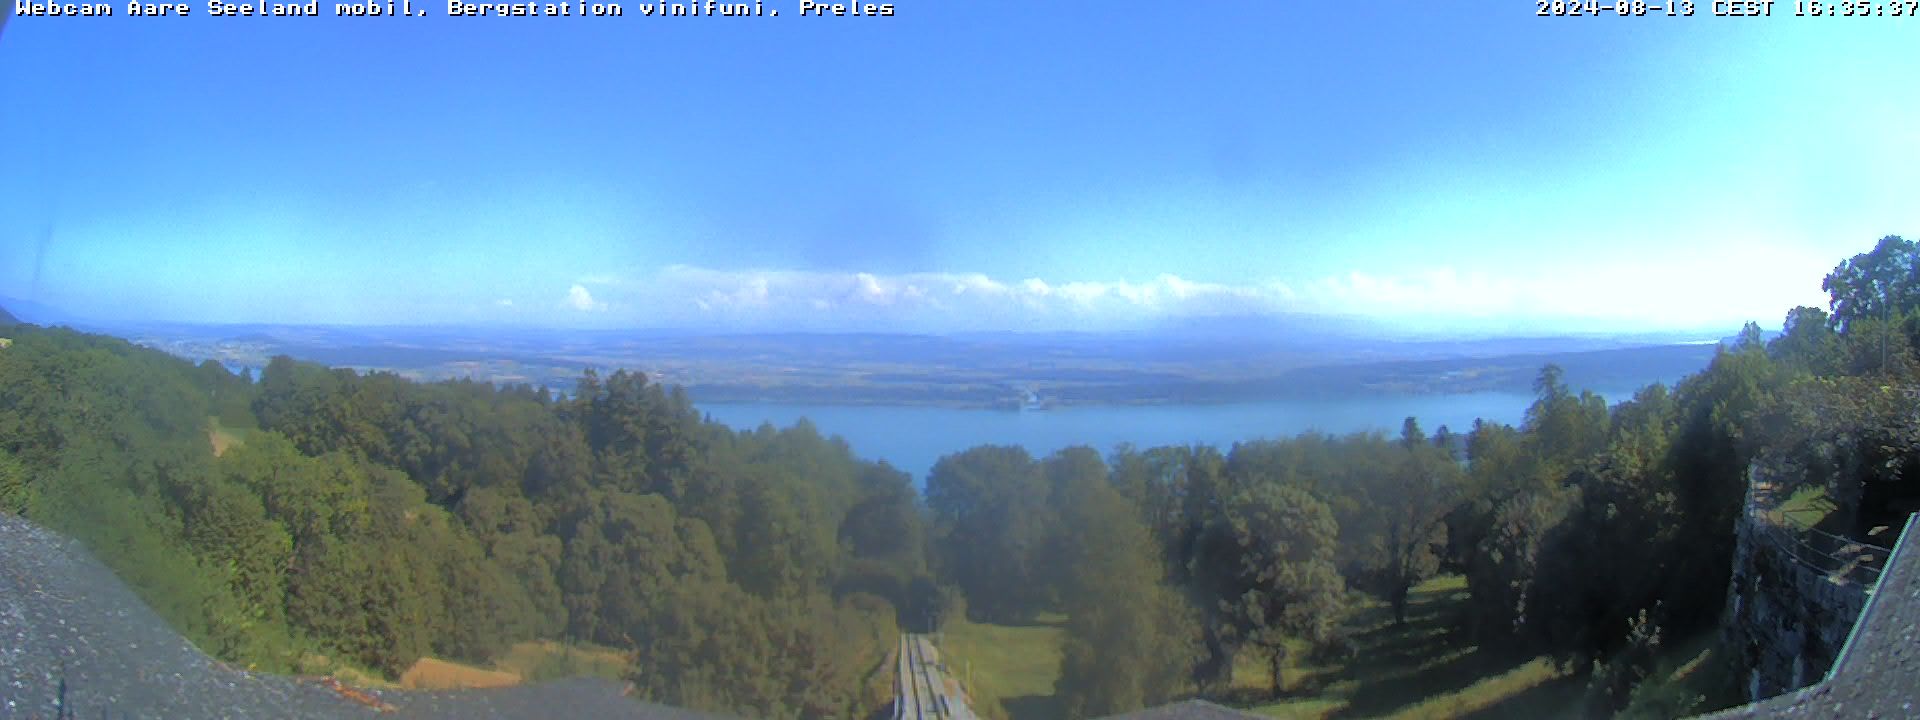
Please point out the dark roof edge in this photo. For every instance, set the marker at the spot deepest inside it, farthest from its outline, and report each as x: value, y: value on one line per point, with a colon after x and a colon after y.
x: 1902, y: 547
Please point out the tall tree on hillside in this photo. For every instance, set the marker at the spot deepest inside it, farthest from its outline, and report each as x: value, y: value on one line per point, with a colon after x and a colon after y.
x: 1129, y: 637
x: 789, y: 541
x: 885, y: 534
x: 615, y: 416
x: 1563, y: 428
x: 1451, y: 443
x: 1154, y: 480
x: 510, y: 530
x: 1284, y: 584
x: 1523, y: 496
x: 1065, y: 472
x: 885, y: 524
x: 1880, y: 347
x: 15, y: 488
x: 990, y: 511
x: 1203, y: 557
x: 1412, y: 500
x: 229, y: 527
x: 1807, y: 343
x: 1712, y: 446
x: 1880, y: 283
x: 1616, y: 553
x: 1507, y: 495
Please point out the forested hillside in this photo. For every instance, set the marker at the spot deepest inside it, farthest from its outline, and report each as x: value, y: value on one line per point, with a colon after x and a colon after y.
x: 379, y: 520
x: 1594, y: 532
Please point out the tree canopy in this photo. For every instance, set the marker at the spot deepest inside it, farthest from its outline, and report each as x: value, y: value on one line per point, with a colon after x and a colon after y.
x: 765, y: 572
x: 378, y: 520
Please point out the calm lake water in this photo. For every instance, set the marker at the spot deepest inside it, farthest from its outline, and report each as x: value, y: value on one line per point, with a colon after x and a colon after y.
x: 912, y: 438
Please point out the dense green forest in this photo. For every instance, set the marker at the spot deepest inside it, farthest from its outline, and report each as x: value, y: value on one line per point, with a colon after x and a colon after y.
x: 379, y: 520
x: 365, y: 517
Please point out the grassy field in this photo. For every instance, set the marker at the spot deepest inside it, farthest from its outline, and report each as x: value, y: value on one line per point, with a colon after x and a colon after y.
x: 315, y: 664
x: 1807, y: 507
x: 223, y: 437
x: 1420, y: 672
x: 1697, y: 669
x: 548, y: 660
x: 1415, y: 671
x: 1012, y: 668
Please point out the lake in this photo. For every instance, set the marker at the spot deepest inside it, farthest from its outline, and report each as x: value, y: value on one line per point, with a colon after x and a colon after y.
x: 912, y: 438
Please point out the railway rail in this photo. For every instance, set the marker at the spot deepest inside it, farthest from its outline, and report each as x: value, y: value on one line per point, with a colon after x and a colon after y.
x: 922, y: 691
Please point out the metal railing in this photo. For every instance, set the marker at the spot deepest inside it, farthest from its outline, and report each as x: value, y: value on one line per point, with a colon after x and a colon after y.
x: 1841, y: 559
x: 1904, y: 545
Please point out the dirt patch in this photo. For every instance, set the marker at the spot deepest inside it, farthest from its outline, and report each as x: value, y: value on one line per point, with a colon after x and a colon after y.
x: 221, y: 441
x: 220, y: 437
x: 434, y: 674
x: 356, y: 695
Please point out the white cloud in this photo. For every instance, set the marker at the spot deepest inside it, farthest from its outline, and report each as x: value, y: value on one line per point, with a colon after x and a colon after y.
x: 937, y: 301
x: 504, y: 302
x: 1707, y: 287
x: 1672, y: 293
x: 579, y: 299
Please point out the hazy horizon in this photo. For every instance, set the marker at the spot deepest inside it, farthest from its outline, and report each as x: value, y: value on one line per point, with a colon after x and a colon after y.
x: 957, y: 168
x: 1261, y: 328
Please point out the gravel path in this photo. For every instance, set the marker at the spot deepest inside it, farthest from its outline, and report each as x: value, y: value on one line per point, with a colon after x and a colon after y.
x: 63, y: 615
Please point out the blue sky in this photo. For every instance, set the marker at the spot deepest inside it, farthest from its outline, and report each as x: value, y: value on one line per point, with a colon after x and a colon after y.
x: 960, y: 166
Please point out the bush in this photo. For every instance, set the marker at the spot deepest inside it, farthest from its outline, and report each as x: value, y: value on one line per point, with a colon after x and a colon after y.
x: 1613, y: 681
x: 1658, y: 700
x: 16, y: 493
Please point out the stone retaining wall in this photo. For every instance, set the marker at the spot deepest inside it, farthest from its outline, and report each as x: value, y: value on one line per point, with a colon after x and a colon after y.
x: 1787, y: 619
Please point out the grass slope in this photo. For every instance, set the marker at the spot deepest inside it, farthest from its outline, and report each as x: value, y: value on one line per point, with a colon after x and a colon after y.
x: 1808, y: 507
x: 1414, y: 671
x: 222, y: 436
x: 1012, y: 668
x: 542, y: 660
x: 1418, y: 671
x: 533, y: 661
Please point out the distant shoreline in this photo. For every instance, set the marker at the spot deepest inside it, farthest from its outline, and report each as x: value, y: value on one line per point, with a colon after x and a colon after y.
x: 1050, y: 372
